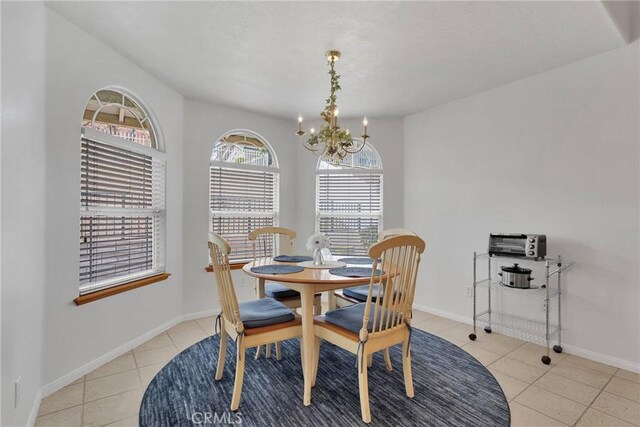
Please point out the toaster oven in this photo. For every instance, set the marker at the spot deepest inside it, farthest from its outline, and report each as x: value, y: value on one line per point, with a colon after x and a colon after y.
x: 529, y: 246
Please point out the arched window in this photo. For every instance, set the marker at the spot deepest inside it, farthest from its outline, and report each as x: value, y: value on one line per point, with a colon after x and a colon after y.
x: 349, y: 201
x: 243, y: 189
x: 122, y: 192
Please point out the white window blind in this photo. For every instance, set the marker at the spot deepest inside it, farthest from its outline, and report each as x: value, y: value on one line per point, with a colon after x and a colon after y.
x: 349, y: 201
x: 242, y: 198
x: 122, y: 211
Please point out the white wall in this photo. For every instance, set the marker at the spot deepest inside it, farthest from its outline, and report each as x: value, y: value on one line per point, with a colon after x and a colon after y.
x: 203, y: 125
x: 76, y: 66
x: 387, y: 139
x: 23, y: 232
x: 557, y: 154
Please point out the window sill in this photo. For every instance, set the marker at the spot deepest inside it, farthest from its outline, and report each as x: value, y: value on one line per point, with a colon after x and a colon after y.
x: 104, y: 293
x: 236, y: 266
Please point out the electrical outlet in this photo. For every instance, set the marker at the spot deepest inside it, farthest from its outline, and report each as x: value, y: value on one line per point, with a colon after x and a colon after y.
x: 16, y: 392
x: 468, y: 291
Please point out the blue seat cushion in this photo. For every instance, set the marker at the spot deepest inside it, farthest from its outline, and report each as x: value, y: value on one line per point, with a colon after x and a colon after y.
x: 360, y: 292
x: 350, y: 318
x: 276, y: 290
x: 264, y: 312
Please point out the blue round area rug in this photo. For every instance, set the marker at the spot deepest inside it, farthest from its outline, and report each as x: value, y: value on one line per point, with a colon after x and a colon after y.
x: 451, y: 389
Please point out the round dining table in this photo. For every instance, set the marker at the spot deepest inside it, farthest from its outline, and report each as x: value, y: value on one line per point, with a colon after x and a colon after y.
x: 307, y: 282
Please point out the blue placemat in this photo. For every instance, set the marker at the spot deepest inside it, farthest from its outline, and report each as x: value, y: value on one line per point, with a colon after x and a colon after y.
x: 293, y: 258
x: 354, y: 272
x: 349, y: 260
x: 277, y: 269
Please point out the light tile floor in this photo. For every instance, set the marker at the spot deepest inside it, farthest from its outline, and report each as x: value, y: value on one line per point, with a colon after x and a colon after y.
x: 570, y: 391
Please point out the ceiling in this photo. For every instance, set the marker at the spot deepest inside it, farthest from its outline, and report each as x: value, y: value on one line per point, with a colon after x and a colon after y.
x: 398, y: 57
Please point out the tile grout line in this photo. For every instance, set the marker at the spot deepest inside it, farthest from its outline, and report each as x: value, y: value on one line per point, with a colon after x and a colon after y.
x: 601, y: 390
x: 84, y: 392
x: 557, y: 394
x: 107, y: 397
x: 137, y: 369
x: 590, y: 406
x: 535, y: 380
x: 582, y: 382
x: 135, y: 361
x: 110, y: 375
x: 542, y: 413
x: 598, y: 395
x: 617, y: 396
x: 171, y: 339
x: 58, y: 410
x: 529, y: 384
x: 526, y: 388
x: 205, y: 332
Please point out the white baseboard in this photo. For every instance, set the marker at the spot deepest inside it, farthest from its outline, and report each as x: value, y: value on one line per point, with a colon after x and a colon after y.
x: 568, y: 348
x: 72, y: 376
x: 442, y: 313
x: 602, y: 358
x: 200, y: 314
x: 34, y: 408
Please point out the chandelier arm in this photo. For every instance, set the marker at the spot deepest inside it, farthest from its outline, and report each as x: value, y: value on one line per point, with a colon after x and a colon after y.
x: 354, y: 145
x: 310, y: 147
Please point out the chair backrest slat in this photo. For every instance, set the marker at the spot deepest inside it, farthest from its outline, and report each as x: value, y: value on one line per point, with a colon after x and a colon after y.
x: 399, y: 257
x: 219, y: 250
x: 272, y: 241
x: 392, y: 232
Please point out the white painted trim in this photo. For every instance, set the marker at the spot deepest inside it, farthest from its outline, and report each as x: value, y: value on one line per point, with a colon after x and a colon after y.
x: 458, y: 318
x: 567, y: 348
x: 72, y: 376
x: 200, y: 314
x: 34, y: 409
x: 243, y: 166
x: 349, y: 171
x: 602, y: 358
x: 105, y: 138
x: 78, y: 373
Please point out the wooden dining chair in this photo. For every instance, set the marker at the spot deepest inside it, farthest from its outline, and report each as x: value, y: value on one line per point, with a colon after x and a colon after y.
x: 383, y: 320
x: 269, y: 242
x: 358, y: 294
x: 250, y: 323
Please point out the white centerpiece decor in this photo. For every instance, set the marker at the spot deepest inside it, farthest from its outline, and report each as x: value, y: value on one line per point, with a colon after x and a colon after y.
x: 316, y: 243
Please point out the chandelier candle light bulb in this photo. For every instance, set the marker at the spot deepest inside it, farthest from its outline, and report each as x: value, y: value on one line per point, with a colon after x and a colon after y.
x: 331, y: 141
x: 300, y: 131
x: 365, y: 122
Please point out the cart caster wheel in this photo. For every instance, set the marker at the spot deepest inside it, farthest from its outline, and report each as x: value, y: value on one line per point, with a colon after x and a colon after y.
x: 472, y: 337
x: 557, y: 348
x: 546, y: 360
x: 487, y: 329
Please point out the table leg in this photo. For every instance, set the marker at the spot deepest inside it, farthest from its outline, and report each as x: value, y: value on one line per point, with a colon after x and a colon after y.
x: 308, y: 340
x: 260, y: 287
x: 260, y: 294
x: 333, y: 300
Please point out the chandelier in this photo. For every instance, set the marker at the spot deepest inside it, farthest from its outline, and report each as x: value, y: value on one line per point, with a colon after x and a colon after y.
x: 331, y: 140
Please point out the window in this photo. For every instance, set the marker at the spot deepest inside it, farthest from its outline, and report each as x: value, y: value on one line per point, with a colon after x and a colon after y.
x: 243, y: 190
x: 349, y: 201
x: 122, y: 192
